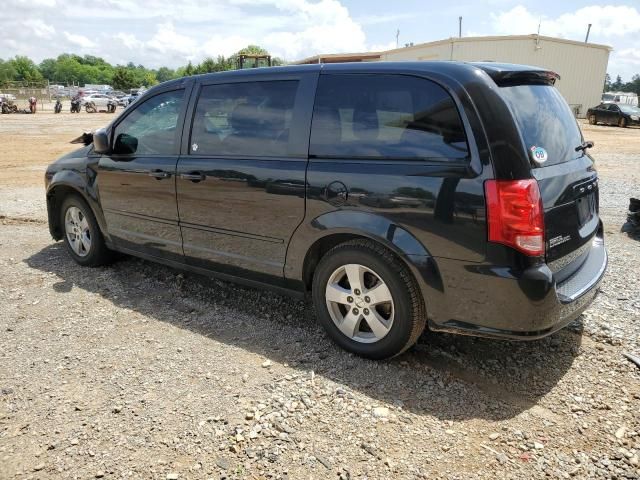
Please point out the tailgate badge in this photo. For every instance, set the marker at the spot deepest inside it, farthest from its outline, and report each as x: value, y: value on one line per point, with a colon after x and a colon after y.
x: 538, y: 154
x: 560, y: 239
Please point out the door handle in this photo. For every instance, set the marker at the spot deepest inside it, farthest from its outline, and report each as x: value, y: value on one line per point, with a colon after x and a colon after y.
x: 194, y: 177
x: 159, y: 174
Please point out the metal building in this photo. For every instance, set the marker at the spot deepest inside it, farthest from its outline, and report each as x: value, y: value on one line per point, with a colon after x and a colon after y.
x: 582, y: 66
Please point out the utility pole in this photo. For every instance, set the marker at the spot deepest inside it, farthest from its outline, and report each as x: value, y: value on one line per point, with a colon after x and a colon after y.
x: 586, y: 39
x: 397, y: 36
x: 459, y: 27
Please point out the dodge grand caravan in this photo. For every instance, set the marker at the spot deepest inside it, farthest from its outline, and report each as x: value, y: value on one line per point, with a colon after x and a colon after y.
x: 399, y: 195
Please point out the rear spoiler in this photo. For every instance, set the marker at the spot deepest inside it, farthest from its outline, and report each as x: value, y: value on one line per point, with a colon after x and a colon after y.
x: 506, y: 75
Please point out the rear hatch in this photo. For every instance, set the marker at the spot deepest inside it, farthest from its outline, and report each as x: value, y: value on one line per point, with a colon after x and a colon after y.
x: 565, y: 172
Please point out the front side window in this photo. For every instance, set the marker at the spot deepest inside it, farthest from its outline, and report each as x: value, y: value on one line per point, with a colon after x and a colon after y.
x: 151, y: 128
x: 386, y: 117
x: 251, y: 118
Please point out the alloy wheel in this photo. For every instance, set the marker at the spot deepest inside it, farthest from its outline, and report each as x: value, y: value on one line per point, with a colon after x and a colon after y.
x: 360, y: 303
x: 78, y: 232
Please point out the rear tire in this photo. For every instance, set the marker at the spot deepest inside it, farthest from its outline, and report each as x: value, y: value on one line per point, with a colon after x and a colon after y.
x: 622, y: 122
x: 82, y: 236
x: 367, y: 300
x: 592, y: 120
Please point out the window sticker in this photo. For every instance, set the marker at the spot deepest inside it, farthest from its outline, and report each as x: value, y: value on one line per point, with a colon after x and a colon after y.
x: 539, y: 154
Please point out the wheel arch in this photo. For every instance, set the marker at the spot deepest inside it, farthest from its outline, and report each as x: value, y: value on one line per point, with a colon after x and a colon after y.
x: 62, y: 185
x: 317, y: 237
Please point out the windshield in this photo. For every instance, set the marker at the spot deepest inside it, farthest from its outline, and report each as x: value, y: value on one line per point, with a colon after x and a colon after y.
x: 545, y: 121
x: 629, y: 109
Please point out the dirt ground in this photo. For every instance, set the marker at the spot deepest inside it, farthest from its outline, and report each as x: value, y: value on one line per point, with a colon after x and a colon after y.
x: 139, y: 371
x: 30, y: 142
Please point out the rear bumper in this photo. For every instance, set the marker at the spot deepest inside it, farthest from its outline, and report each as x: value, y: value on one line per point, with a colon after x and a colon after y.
x: 529, y: 305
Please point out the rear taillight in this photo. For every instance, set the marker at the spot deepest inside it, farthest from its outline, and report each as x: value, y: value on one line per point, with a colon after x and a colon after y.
x: 514, y: 214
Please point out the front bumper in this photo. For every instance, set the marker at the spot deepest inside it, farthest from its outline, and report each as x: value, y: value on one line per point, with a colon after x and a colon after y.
x: 525, y: 306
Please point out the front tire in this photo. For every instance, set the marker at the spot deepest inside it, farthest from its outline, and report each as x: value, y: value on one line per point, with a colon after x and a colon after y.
x: 622, y: 122
x: 82, y: 236
x: 367, y: 300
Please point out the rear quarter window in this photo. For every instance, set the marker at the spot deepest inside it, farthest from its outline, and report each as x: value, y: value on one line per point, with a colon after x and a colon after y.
x: 545, y: 120
x: 386, y: 117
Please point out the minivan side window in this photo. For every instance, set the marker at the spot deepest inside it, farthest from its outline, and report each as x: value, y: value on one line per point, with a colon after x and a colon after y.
x: 151, y: 128
x: 386, y: 117
x: 248, y: 118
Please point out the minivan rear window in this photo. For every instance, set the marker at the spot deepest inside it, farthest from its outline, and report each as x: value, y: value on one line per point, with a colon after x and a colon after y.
x: 545, y: 121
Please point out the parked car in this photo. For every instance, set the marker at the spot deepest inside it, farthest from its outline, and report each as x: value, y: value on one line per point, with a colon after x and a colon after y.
x: 485, y: 219
x: 98, y: 101
x: 619, y: 114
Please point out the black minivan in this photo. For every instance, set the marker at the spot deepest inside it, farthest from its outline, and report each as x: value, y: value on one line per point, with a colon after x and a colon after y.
x: 454, y: 195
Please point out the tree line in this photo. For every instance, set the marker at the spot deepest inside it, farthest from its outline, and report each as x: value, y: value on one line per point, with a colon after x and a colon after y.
x: 619, y: 86
x: 70, y: 69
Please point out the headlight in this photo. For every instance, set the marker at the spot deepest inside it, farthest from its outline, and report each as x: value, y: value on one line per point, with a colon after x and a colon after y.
x: 635, y: 117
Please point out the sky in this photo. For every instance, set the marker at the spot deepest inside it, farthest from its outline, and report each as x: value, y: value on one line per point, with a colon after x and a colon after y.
x: 172, y: 32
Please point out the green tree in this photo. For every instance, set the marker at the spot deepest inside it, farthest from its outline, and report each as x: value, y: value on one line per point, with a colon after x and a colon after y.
x: 633, y: 85
x: 47, y: 68
x: 253, y: 50
x: 26, y: 70
x: 124, y: 79
x: 617, y: 85
x: 164, y: 74
x: 7, y: 72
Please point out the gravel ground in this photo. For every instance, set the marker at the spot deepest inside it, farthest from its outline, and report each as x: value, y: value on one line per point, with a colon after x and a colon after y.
x: 140, y: 371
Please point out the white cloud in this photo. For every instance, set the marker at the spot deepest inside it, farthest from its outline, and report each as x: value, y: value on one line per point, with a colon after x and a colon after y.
x: 291, y: 29
x: 31, y: 4
x: 167, y: 40
x: 607, y: 21
x: 79, y: 40
x: 323, y: 27
x: 625, y: 62
x: 128, y: 40
x: 39, y: 28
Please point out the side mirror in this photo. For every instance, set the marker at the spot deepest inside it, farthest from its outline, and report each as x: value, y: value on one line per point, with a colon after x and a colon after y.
x: 101, y: 142
x: 125, y: 144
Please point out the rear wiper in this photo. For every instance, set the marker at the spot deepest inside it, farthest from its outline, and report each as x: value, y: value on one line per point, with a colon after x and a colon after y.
x: 585, y: 145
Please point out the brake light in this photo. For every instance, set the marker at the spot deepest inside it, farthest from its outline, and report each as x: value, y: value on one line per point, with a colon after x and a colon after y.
x: 515, y: 216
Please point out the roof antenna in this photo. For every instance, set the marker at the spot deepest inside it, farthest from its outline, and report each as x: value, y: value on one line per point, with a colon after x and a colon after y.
x: 397, y: 35
x: 586, y: 39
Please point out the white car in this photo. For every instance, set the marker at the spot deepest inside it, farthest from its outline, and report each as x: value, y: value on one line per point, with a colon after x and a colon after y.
x: 98, y: 99
x: 8, y: 96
